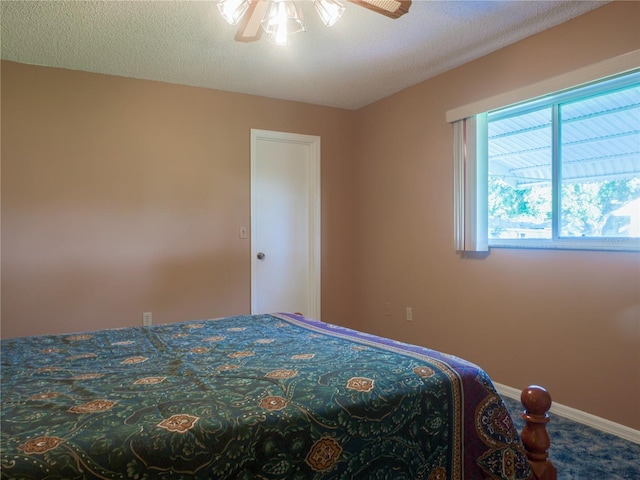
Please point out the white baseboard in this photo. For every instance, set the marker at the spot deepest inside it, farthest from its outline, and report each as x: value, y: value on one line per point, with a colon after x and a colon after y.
x: 579, y: 416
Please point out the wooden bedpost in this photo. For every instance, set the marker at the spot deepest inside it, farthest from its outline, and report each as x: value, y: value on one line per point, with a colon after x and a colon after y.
x: 537, y: 401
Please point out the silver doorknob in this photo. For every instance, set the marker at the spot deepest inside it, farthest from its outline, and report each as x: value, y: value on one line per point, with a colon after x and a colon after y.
x: 261, y: 256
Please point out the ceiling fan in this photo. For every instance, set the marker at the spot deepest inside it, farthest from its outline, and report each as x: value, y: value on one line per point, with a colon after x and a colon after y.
x: 281, y: 18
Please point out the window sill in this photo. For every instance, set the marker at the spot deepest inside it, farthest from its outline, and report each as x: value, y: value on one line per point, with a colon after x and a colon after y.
x: 605, y: 244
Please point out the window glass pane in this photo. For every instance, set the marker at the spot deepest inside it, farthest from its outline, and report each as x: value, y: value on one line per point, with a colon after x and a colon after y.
x: 519, y: 164
x: 600, y: 166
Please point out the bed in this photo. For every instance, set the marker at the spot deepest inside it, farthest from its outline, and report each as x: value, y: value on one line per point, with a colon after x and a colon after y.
x: 253, y: 397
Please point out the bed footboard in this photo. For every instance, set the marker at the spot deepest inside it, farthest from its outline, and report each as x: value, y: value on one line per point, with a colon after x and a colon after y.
x: 537, y: 401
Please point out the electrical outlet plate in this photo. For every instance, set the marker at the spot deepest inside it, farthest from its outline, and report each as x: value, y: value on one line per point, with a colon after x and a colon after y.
x: 409, y: 314
x: 147, y: 319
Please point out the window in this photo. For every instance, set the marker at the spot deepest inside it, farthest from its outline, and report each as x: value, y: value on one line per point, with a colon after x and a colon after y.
x: 560, y: 171
x: 565, y: 169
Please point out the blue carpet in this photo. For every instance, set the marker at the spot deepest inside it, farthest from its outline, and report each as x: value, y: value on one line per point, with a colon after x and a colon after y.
x: 584, y: 453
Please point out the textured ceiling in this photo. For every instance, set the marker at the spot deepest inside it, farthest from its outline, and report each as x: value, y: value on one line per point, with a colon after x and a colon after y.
x: 361, y: 59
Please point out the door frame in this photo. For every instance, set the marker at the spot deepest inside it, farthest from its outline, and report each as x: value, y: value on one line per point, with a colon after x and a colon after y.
x: 313, y: 189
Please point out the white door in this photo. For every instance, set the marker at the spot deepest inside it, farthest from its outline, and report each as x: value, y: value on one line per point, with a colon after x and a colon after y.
x: 285, y: 223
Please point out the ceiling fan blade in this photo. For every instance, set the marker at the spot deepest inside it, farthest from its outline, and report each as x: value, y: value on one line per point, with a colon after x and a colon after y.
x: 389, y: 8
x: 249, y: 28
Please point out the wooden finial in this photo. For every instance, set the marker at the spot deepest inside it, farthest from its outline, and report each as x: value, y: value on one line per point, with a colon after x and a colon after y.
x: 537, y: 402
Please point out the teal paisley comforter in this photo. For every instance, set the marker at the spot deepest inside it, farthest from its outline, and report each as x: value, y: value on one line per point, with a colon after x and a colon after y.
x: 248, y: 397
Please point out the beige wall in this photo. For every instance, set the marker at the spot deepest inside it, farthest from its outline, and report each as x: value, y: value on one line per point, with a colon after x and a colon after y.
x: 569, y: 320
x: 121, y: 196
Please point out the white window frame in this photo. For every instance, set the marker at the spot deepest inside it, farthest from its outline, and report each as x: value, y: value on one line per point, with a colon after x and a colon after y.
x: 553, y: 101
x: 470, y: 160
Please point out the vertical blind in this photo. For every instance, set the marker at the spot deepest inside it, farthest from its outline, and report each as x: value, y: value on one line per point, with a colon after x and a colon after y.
x: 470, y: 154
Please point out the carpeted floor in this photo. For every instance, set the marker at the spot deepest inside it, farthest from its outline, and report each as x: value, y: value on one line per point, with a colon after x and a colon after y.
x: 584, y: 453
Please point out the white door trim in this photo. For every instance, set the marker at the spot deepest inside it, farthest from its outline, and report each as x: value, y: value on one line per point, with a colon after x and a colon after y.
x: 314, y: 212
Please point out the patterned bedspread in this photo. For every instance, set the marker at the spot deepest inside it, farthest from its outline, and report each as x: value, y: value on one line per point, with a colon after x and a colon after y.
x: 248, y: 397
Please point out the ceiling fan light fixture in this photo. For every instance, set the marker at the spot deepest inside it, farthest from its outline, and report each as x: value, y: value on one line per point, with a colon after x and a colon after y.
x: 329, y: 10
x: 281, y: 20
x: 233, y: 10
